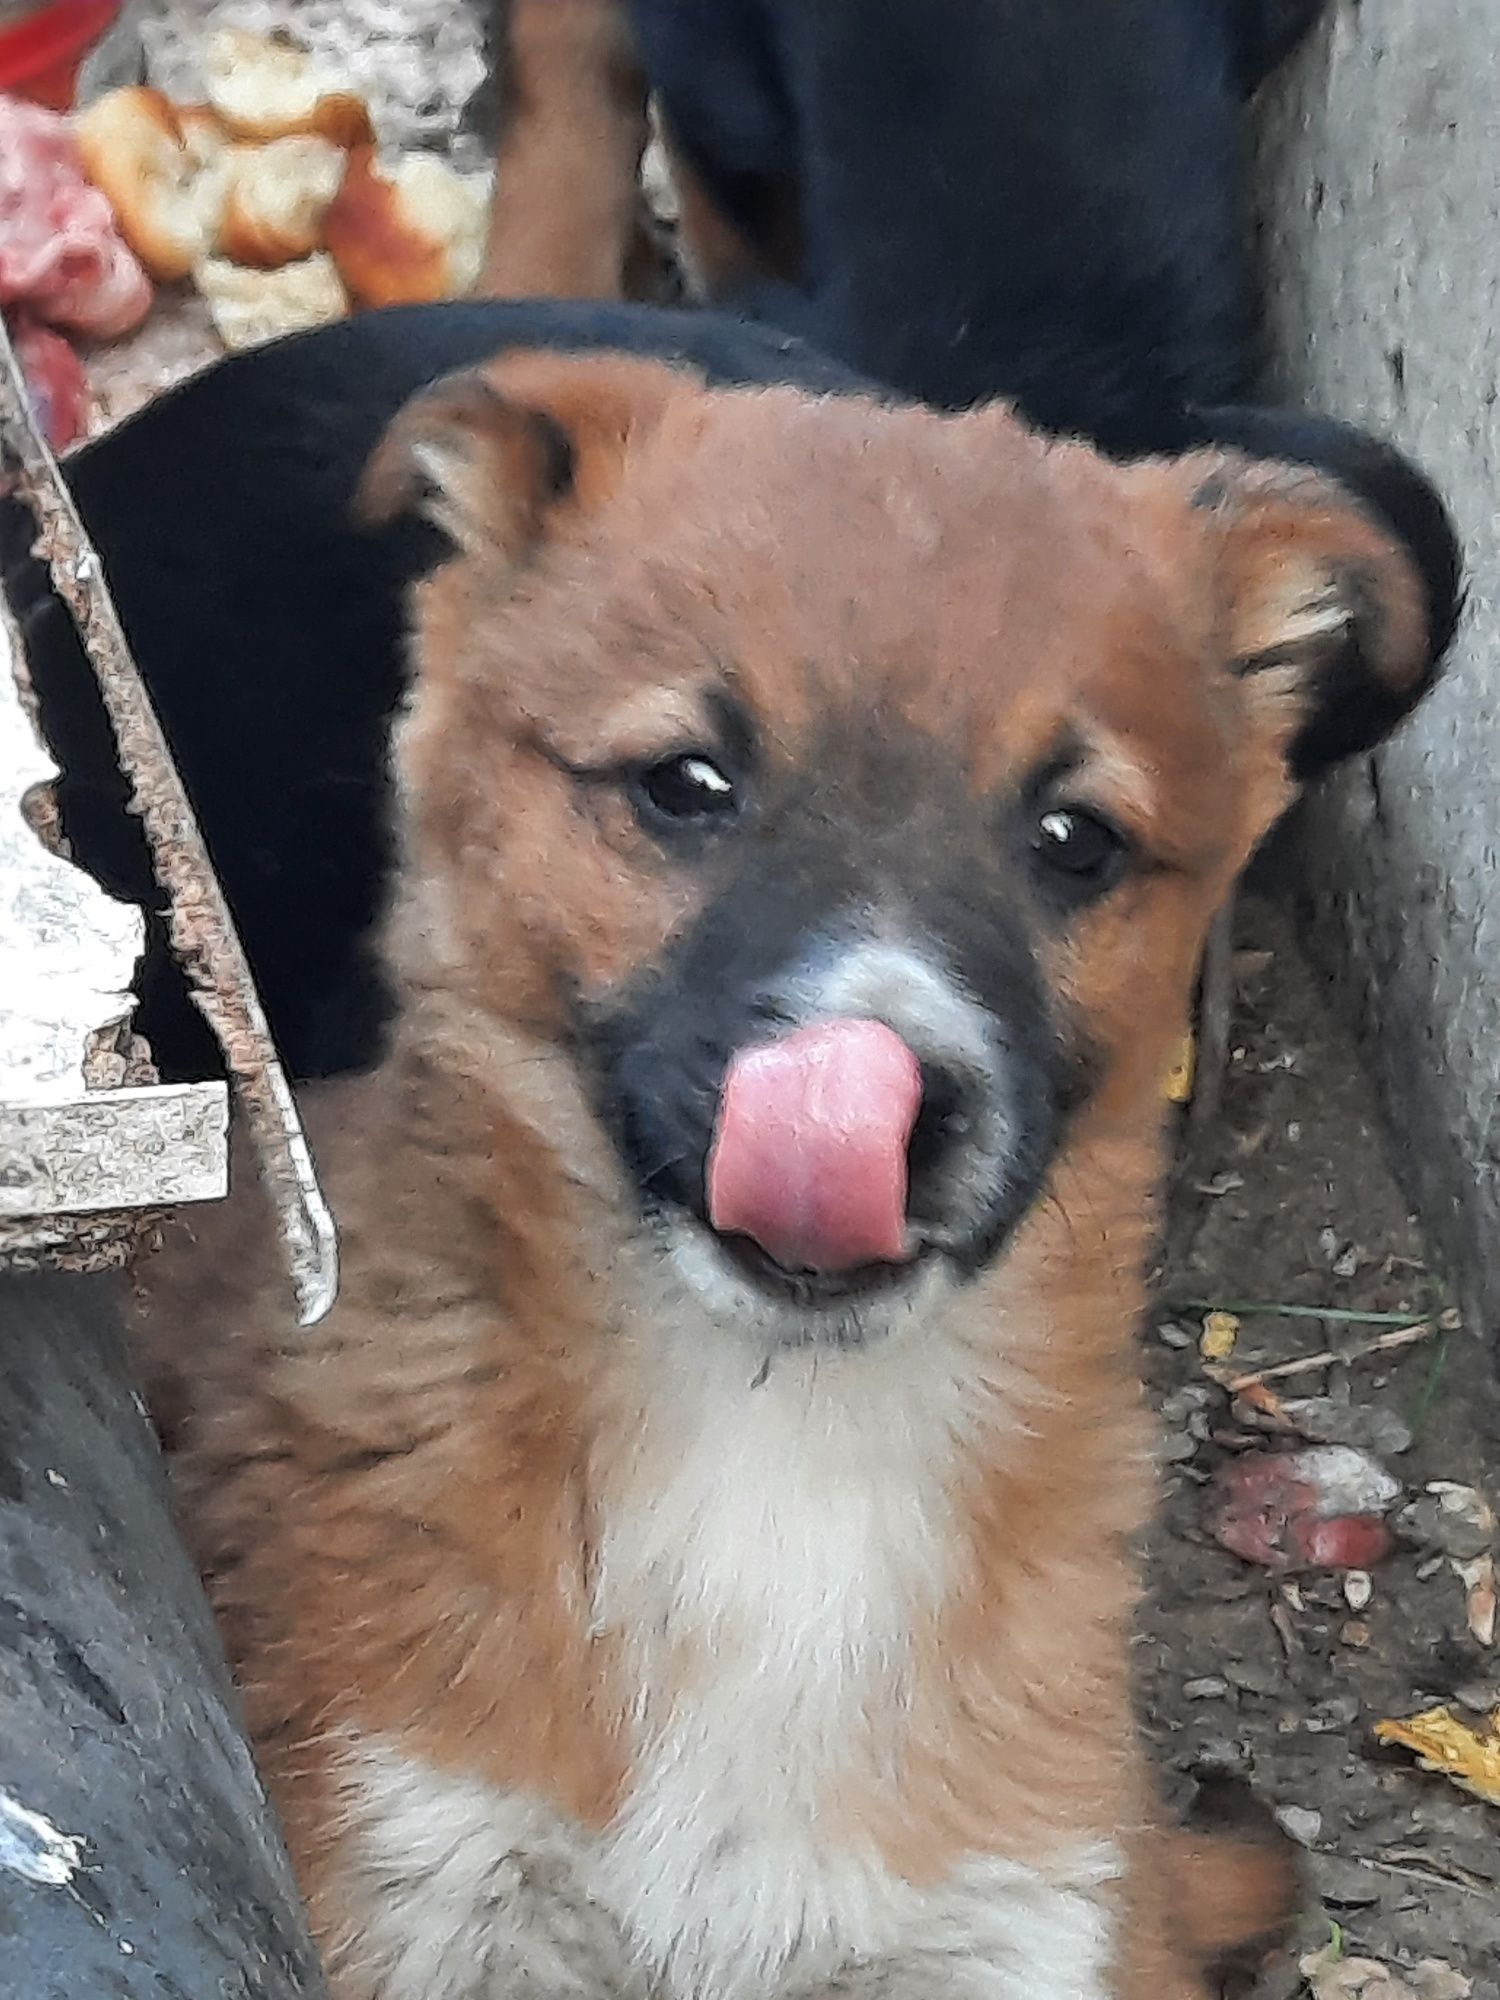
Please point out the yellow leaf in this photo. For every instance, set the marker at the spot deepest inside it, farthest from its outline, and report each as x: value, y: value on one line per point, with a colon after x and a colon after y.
x: 1179, y: 1079
x: 1441, y: 1742
x: 1220, y: 1331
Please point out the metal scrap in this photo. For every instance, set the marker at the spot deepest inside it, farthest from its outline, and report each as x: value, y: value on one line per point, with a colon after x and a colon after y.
x: 201, y: 929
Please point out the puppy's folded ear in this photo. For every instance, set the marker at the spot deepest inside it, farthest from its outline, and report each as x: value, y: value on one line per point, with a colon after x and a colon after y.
x: 496, y: 456
x: 1338, y: 598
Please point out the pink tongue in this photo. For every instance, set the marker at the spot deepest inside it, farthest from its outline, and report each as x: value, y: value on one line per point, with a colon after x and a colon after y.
x: 809, y: 1155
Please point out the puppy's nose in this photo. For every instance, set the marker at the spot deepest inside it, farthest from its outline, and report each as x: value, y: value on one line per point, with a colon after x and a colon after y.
x: 811, y: 1146
x: 943, y: 1140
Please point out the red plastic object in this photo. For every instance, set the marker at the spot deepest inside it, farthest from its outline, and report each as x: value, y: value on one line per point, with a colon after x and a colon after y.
x: 40, y: 55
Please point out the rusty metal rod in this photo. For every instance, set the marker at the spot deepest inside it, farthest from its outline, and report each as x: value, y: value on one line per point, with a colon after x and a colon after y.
x: 201, y: 928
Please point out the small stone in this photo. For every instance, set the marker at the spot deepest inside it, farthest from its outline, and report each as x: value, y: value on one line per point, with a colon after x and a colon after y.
x: 1220, y: 1332
x: 1285, y: 1627
x: 1367, y: 1427
x: 1208, y: 1687
x: 1183, y: 1403
x: 1300, y: 1823
x: 1345, y: 1882
x: 1170, y: 1334
x: 1436, y: 1979
x: 1253, y: 1676
x: 1355, y: 1632
x: 1358, y: 1589
x: 1346, y: 1263
x: 1431, y: 1524
x: 1219, y: 1754
x: 1331, y: 1716
x: 1177, y: 1447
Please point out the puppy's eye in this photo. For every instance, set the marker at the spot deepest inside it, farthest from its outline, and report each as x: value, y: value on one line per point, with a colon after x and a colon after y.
x: 1078, y: 851
x: 689, y: 788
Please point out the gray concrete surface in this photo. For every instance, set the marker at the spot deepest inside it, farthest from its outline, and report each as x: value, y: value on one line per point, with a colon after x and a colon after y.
x: 1380, y: 194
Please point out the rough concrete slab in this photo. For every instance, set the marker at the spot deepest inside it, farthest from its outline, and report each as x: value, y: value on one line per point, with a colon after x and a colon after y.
x: 1381, y: 201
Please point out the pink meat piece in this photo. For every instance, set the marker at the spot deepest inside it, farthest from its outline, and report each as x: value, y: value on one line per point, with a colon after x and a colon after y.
x: 55, y: 382
x: 60, y: 252
x: 809, y: 1151
x: 1320, y: 1508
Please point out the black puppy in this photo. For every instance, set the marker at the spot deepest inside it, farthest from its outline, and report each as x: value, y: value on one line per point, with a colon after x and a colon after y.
x: 962, y: 198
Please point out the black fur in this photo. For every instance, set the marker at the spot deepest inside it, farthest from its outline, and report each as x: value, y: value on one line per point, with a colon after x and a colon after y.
x: 1041, y: 214
x: 871, y: 822
x: 994, y: 197
x: 1351, y: 709
x: 270, y: 631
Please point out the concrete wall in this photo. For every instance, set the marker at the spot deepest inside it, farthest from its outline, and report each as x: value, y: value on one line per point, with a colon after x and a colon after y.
x: 1380, y: 191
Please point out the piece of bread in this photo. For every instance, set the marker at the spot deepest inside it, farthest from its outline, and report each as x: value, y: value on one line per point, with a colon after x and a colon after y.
x: 409, y: 237
x: 278, y: 196
x: 166, y: 183
x: 271, y: 89
x: 204, y: 133
x: 250, y: 307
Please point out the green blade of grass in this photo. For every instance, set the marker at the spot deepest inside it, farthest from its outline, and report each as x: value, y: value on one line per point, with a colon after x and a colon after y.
x: 1428, y: 1396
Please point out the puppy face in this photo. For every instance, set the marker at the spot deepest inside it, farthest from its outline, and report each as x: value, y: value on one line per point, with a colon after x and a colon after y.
x: 847, y: 791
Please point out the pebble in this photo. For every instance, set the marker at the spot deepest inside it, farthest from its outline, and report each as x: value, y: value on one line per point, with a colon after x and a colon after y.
x: 1358, y: 1589
x: 1218, y: 1753
x: 1341, y: 1881
x: 1185, y: 1402
x: 1430, y: 1524
x: 1368, y: 1427
x: 1253, y: 1676
x: 1209, y: 1687
x: 1329, y: 1717
x: 1170, y: 1334
x: 1299, y: 1823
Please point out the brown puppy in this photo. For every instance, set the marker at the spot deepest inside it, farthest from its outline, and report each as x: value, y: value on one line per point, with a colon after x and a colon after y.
x: 693, y: 1560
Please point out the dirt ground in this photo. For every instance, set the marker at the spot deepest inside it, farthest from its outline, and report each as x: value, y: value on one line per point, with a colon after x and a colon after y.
x: 1279, y: 1681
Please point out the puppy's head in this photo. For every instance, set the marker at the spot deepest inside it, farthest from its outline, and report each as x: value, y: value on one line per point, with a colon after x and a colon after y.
x: 847, y: 791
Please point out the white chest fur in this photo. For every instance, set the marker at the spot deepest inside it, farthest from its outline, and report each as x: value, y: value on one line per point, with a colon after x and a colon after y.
x: 768, y: 1558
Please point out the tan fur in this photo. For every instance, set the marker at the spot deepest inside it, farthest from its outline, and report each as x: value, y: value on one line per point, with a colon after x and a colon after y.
x: 402, y: 1513
x: 566, y: 222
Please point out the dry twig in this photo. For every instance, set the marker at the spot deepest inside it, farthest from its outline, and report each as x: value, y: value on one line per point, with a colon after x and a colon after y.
x: 1327, y: 1357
